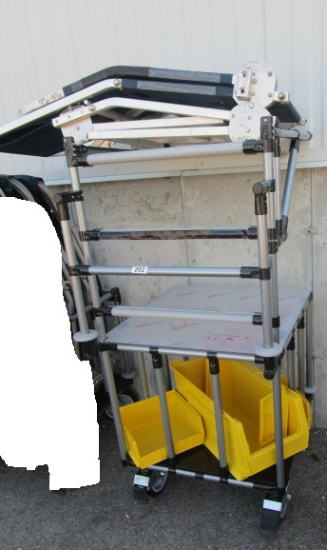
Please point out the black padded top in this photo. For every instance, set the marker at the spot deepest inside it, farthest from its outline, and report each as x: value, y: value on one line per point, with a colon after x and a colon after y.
x: 36, y: 135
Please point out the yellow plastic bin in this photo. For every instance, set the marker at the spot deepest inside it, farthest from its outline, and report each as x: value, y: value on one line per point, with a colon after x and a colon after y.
x: 144, y: 433
x: 248, y: 413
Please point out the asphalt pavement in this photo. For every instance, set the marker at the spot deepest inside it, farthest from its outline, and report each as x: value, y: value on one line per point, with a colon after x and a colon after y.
x: 189, y: 514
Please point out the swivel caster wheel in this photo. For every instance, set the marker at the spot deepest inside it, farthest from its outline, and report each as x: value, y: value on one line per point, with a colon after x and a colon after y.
x: 148, y: 483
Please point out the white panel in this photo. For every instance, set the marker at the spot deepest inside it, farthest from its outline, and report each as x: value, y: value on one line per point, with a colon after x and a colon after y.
x: 46, y: 45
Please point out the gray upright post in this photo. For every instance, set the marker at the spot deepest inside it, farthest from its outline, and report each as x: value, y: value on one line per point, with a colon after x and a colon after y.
x: 106, y: 364
x: 269, y: 165
x: 160, y: 379
x: 310, y: 382
x: 216, y: 394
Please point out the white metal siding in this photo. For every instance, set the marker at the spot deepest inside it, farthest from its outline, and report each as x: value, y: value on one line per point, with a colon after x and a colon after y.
x: 46, y: 44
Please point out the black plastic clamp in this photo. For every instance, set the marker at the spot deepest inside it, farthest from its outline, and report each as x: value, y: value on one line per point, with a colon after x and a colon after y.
x: 63, y: 199
x: 115, y: 295
x: 75, y: 154
x: 106, y: 346
x: 264, y: 273
x: 271, y: 365
x: 273, y: 246
x: 90, y: 235
x: 301, y: 323
x: 291, y: 344
x: 101, y: 312
x: 252, y: 232
x: 252, y: 147
x: 156, y: 358
x: 78, y: 270
x: 263, y: 187
x: 250, y: 272
x: 213, y: 363
x: 257, y: 319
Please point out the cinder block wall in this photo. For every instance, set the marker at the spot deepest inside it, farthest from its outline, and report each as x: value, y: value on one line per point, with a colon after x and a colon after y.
x: 208, y: 201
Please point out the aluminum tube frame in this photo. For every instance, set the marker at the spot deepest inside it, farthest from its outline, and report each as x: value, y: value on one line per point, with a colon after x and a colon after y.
x: 185, y: 352
x: 143, y: 377
x: 75, y: 282
x: 106, y: 297
x: 187, y: 314
x: 218, y: 407
x: 140, y: 270
x: 289, y: 181
x: 212, y: 478
x: 106, y: 364
x: 291, y: 369
x: 301, y: 358
x: 270, y: 295
x: 268, y: 163
x: 159, y: 374
x: 310, y: 380
x: 171, y: 234
x: 265, y: 285
x: 305, y: 135
x: 278, y: 417
x: 278, y: 192
x: 177, y: 152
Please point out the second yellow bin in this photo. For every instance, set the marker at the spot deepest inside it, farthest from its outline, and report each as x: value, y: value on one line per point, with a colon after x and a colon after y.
x: 248, y: 413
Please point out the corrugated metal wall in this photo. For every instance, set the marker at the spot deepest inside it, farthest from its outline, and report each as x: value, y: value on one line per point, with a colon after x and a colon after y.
x: 46, y: 44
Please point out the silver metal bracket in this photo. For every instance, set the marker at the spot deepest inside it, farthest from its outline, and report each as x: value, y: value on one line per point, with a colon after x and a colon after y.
x: 245, y: 121
x: 255, y: 82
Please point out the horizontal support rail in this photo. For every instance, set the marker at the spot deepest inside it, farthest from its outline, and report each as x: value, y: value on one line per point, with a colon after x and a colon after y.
x: 212, y: 477
x: 185, y: 352
x: 242, y: 272
x: 294, y: 134
x: 170, y: 234
x: 180, y: 151
x: 152, y: 133
x: 187, y: 314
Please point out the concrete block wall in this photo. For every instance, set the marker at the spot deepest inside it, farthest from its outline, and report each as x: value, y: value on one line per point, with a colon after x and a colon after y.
x: 224, y: 200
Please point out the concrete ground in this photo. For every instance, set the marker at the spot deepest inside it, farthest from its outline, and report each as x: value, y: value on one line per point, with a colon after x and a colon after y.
x: 188, y: 514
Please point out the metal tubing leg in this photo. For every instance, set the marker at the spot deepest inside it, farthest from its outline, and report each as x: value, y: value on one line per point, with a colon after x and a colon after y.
x: 310, y: 382
x: 289, y: 180
x: 278, y: 196
x: 268, y: 164
x: 291, y: 364
x: 160, y: 379
x: 143, y: 377
x: 275, y: 297
x: 106, y: 365
x: 301, y: 351
x: 216, y: 393
x: 75, y: 282
x: 265, y: 283
x: 278, y: 416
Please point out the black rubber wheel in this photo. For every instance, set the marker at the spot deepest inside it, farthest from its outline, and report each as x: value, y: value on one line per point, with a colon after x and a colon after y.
x: 157, y: 483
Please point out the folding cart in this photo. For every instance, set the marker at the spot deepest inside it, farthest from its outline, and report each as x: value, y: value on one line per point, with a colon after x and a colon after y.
x: 133, y: 113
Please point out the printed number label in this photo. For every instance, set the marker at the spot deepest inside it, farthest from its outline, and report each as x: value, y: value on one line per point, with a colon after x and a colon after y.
x: 139, y: 269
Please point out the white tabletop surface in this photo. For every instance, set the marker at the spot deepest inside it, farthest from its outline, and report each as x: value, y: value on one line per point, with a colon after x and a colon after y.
x: 224, y: 337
